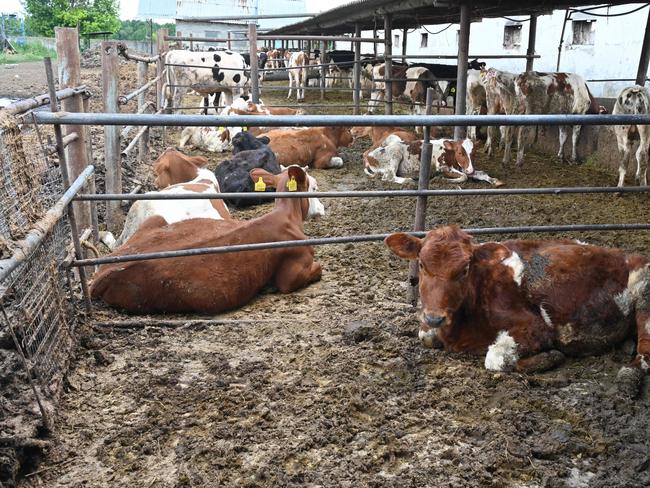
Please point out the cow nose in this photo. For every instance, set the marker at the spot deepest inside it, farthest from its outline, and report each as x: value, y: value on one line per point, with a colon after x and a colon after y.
x: 434, y: 320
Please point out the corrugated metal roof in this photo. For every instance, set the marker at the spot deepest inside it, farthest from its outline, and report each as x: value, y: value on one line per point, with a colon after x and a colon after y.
x: 414, y: 13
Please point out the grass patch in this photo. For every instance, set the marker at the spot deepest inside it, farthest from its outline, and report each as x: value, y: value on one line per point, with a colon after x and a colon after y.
x: 31, y: 51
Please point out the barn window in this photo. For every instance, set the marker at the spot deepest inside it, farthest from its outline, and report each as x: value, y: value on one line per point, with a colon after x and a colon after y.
x: 512, y: 36
x: 583, y: 32
x: 396, y: 42
x: 424, y: 40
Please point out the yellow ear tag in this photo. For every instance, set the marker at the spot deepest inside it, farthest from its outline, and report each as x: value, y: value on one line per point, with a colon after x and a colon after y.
x: 220, y: 129
x: 293, y: 184
x: 260, y: 185
x: 244, y: 129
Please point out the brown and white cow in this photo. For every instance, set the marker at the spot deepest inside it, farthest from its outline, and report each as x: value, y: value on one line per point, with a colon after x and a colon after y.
x: 501, y: 98
x: 632, y: 101
x: 379, y: 86
x: 526, y: 304
x: 212, y: 283
x: 378, y: 135
x: 395, y: 160
x: 476, y: 102
x: 416, y: 91
x: 553, y: 93
x: 297, y: 64
x: 316, y: 147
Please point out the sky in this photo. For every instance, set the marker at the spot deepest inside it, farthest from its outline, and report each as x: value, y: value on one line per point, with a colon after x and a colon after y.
x: 129, y: 9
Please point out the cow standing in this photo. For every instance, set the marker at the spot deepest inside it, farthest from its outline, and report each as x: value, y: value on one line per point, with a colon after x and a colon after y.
x: 633, y: 100
x: 553, y: 93
x: 527, y: 304
x: 379, y: 85
x: 501, y: 98
x: 298, y: 62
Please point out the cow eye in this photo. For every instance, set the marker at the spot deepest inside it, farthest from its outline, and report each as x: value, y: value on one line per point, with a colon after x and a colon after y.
x: 421, y: 266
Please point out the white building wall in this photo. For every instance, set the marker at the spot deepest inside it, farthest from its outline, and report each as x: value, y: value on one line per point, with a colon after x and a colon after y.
x: 614, y: 54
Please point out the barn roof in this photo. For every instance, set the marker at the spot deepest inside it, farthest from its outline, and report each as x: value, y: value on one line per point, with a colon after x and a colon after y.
x: 414, y: 13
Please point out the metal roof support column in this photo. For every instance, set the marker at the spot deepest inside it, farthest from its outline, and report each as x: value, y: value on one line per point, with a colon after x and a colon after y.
x: 252, y: 47
x: 323, y: 71
x: 388, y: 67
x: 356, y: 70
x: 642, y: 73
x: 461, y: 77
x: 406, y: 32
x: 532, y: 34
x: 374, y: 44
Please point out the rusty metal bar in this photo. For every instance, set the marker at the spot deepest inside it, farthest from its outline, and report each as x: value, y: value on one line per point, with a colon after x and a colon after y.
x: 290, y: 37
x: 112, y: 161
x: 143, y: 144
x: 67, y: 140
x: 356, y: 73
x: 644, y: 59
x: 323, y: 70
x: 160, y: 68
x: 134, y: 141
x: 351, y: 239
x: 388, y: 65
x: 123, y: 51
x: 532, y: 36
x: 461, y: 74
x: 26, y: 104
x: 124, y: 99
x: 65, y: 176
x: 472, y: 56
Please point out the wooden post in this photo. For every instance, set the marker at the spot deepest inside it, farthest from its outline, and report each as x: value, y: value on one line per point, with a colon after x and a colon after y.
x: 69, y: 67
x: 179, y: 44
x: 191, y: 42
x: 374, y: 44
x: 252, y: 47
x: 356, y: 70
x: 461, y: 77
x: 112, y: 162
x: 405, y: 33
x: 642, y: 72
x: 323, y: 71
x: 229, y: 42
x: 160, y: 67
x: 143, y: 142
x: 388, y: 66
x: 421, y: 205
x: 532, y: 34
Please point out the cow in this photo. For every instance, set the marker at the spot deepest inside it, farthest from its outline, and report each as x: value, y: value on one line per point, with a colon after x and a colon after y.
x: 476, y: 103
x: 315, y: 147
x: 416, y: 91
x: 340, y: 67
x: 632, y: 101
x: 247, y: 107
x: 378, y: 135
x: 395, y: 160
x: 553, y: 93
x: 177, y: 173
x: 262, y: 59
x: 297, y: 64
x: 223, y: 68
x: 379, y: 86
x: 501, y: 98
x: 213, y: 283
x: 212, y: 139
x: 447, y: 74
x: 276, y: 59
x: 526, y: 304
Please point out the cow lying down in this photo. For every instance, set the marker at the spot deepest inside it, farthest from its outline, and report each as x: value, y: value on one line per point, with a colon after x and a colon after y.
x: 212, y: 283
x: 526, y: 304
x: 396, y: 160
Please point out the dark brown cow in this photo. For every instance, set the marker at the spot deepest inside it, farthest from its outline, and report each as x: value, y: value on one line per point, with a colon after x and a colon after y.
x: 530, y: 303
x: 218, y: 282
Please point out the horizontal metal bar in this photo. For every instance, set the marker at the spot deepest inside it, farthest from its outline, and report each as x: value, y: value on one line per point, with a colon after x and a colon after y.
x: 203, y: 39
x: 471, y: 56
x: 26, y: 246
x: 244, y: 17
x: 348, y: 239
x: 203, y: 67
x: 294, y: 37
x: 614, y: 79
x: 26, y: 104
x: 123, y: 51
x: 369, y: 193
x: 124, y: 99
x: 280, y: 88
x: 67, y: 118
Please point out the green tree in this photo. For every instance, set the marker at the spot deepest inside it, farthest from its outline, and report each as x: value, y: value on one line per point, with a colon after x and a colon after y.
x: 88, y: 15
x: 138, y: 30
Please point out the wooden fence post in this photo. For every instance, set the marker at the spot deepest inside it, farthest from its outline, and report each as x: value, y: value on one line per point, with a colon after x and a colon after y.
x: 112, y: 156
x: 160, y: 86
x: 69, y: 68
x: 252, y: 47
x: 143, y: 143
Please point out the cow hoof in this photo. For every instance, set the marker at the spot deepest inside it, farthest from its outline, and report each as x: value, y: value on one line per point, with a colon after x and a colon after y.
x: 629, y: 381
x: 498, y: 183
x: 336, y: 162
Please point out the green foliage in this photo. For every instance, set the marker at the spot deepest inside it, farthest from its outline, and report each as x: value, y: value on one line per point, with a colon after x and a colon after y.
x: 88, y: 15
x: 138, y: 30
x: 31, y: 51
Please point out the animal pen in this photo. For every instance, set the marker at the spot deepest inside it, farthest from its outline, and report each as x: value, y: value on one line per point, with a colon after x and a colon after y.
x: 49, y: 222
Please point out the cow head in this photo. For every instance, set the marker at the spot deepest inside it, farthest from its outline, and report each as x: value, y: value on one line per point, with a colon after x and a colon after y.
x: 458, y: 155
x: 445, y: 258
x: 311, y: 207
x: 476, y: 64
x: 244, y: 141
x: 360, y: 131
x: 173, y: 167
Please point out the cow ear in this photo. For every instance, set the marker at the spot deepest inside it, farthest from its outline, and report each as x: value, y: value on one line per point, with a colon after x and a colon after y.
x: 264, y: 140
x: 199, y: 161
x: 300, y: 176
x: 404, y: 245
x: 269, y: 179
x: 448, y: 145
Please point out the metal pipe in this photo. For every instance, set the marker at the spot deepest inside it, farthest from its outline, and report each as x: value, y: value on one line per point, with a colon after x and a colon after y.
x: 356, y: 72
x: 148, y: 105
x: 532, y: 36
x: 134, y: 141
x: 272, y: 70
x: 252, y: 49
x: 62, y: 118
x: 388, y: 65
x: 614, y: 79
x: 26, y: 104
x: 460, y: 131
x: 644, y: 59
x: 124, y: 99
x: 52, y: 149
x: 323, y: 70
x: 371, y: 193
x: 472, y: 56
x: 244, y: 17
x: 26, y: 246
x: 123, y: 51
x: 291, y: 37
x: 349, y: 239
x: 567, y: 14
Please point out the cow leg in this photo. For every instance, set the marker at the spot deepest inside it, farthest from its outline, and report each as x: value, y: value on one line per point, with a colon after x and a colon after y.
x: 206, y: 105
x: 488, y: 141
x: 642, y: 156
x: 630, y: 377
x: 563, y: 137
x: 483, y: 176
x: 506, y: 137
x: 522, y: 133
x: 290, y: 84
x: 227, y: 97
x: 625, y: 146
x: 297, y: 273
x: 574, y: 143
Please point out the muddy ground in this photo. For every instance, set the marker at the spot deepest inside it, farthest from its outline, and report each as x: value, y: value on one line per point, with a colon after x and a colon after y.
x: 330, y: 386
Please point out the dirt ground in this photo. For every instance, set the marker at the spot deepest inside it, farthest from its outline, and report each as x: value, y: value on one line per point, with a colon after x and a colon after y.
x: 330, y: 386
